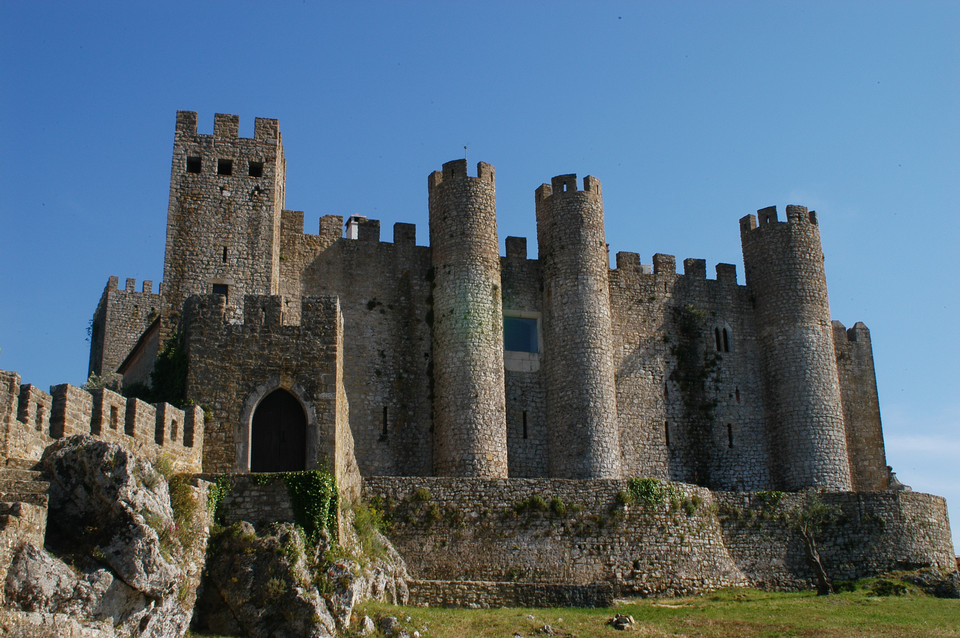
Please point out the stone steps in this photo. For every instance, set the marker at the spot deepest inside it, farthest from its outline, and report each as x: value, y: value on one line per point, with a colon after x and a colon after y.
x: 20, y: 464
x: 18, y: 484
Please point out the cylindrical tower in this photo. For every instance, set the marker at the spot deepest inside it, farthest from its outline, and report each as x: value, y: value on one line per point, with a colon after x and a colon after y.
x: 801, y: 389
x: 583, y: 438
x: 469, y: 409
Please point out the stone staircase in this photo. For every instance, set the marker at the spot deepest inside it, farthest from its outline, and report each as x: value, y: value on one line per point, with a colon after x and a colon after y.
x: 23, y: 510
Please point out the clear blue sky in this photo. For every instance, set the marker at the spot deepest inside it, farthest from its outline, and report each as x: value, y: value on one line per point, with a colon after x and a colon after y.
x: 692, y: 114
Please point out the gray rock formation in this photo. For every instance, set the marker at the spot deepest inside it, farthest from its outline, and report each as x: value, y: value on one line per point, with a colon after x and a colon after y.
x: 121, y: 560
x: 275, y: 584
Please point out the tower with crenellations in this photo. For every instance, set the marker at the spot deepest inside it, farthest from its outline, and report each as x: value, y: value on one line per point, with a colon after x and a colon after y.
x: 583, y: 440
x: 223, y: 220
x: 469, y: 409
x: 798, y: 369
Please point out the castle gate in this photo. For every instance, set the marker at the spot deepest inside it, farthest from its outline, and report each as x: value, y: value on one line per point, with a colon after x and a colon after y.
x: 279, y: 437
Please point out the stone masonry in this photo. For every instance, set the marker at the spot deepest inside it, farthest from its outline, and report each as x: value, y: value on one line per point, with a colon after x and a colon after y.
x: 486, y: 379
x: 636, y: 370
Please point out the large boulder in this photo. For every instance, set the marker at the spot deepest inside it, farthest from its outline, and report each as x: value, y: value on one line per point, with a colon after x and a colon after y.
x: 262, y: 586
x: 273, y: 583
x: 122, y: 557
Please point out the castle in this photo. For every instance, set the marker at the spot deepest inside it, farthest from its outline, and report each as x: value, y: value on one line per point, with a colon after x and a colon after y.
x: 463, y: 390
x: 456, y: 361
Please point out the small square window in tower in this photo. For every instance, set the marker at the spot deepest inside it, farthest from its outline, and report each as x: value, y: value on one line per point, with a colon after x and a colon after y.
x: 256, y: 169
x: 520, y: 334
x: 224, y: 167
x: 194, y: 164
x: 221, y: 289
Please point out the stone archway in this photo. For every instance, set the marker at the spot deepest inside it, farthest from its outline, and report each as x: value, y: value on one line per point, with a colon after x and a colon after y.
x: 278, y: 437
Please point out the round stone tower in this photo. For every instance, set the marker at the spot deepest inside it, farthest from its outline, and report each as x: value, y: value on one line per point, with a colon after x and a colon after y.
x: 583, y: 438
x: 801, y: 389
x: 469, y: 408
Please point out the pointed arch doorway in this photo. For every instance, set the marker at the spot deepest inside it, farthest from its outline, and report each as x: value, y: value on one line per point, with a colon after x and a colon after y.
x: 278, y: 441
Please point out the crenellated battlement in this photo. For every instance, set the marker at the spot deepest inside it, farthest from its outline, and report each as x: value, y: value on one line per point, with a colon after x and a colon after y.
x: 859, y: 333
x: 31, y: 419
x: 765, y: 217
x: 629, y: 264
x: 457, y: 169
x: 565, y: 184
x: 227, y: 127
x: 130, y: 285
x: 263, y: 313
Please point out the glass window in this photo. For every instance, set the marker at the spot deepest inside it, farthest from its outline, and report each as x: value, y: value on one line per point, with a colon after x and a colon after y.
x: 520, y: 334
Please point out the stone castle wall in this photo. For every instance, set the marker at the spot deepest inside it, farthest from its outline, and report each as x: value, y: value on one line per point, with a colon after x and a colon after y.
x: 861, y: 408
x: 124, y: 315
x: 232, y: 367
x: 32, y: 419
x: 658, y: 435
x: 476, y: 531
x: 384, y: 290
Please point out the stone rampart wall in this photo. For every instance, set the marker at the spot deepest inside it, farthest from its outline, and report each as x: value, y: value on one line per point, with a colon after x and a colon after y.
x: 861, y: 407
x: 121, y: 318
x: 32, y: 419
x: 384, y: 290
x: 696, y: 540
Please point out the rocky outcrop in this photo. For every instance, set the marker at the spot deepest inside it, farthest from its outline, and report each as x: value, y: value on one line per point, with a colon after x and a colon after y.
x: 121, y: 561
x: 276, y: 584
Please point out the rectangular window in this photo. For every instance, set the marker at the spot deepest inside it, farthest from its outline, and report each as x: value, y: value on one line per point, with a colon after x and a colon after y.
x: 194, y: 164
x: 256, y: 169
x: 221, y: 289
x: 520, y: 334
x: 224, y: 167
x: 114, y: 418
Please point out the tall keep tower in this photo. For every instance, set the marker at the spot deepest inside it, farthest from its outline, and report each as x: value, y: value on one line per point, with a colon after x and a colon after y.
x: 223, y: 221
x: 802, y: 404
x: 469, y: 408
x: 583, y: 438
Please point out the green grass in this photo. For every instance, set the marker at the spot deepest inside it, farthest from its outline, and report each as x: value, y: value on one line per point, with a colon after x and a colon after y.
x: 731, y: 612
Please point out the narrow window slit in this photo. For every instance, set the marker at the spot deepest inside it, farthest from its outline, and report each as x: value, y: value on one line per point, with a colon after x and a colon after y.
x: 729, y: 435
x: 383, y: 428
x: 524, y: 424
x: 666, y: 432
x: 726, y: 341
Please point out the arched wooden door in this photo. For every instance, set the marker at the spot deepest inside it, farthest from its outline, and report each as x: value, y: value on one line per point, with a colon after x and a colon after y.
x: 279, y: 434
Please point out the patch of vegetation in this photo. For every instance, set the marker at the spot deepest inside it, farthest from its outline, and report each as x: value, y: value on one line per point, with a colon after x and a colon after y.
x: 169, y: 376
x: 217, y: 492
x: 315, y: 501
x: 649, y: 492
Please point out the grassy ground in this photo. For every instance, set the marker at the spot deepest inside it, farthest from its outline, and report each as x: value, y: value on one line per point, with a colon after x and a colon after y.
x: 733, y: 612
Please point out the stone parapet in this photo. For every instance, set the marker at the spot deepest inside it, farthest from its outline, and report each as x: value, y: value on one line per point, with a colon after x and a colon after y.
x: 32, y: 420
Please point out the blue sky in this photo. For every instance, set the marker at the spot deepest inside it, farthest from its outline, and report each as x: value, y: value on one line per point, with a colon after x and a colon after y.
x: 692, y: 114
